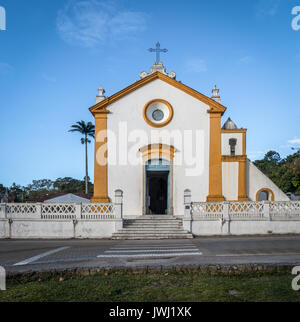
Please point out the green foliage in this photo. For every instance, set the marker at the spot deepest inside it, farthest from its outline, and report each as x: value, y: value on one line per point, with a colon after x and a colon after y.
x: 87, y: 129
x: 2, y: 189
x: 43, y: 189
x: 168, y: 286
x: 285, y: 173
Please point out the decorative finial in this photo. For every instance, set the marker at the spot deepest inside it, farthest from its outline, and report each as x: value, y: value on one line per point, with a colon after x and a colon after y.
x: 215, y: 95
x: 101, y: 91
x: 100, y: 97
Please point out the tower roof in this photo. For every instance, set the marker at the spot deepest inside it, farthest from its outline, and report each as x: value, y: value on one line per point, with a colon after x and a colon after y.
x: 229, y: 125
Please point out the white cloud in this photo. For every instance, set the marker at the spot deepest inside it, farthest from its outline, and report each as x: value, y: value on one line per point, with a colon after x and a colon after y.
x: 196, y: 65
x: 88, y: 23
x: 5, y: 68
x: 245, y: 60
x: 267, y: 7
x: 294, y: 141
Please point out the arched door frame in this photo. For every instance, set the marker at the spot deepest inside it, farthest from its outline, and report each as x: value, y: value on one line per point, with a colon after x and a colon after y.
x: 152, y: 152
x: 269, y: 191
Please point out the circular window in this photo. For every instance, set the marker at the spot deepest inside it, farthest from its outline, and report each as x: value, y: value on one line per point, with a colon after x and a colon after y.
x: 158, y: 113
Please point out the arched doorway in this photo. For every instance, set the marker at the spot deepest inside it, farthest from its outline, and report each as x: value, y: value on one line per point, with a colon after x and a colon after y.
x: 265, y: 194
x: 157, y: 199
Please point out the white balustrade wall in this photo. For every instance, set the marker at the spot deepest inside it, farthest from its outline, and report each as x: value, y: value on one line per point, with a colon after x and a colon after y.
x: 61, y: 220
x: 241, y: 218
x: 101, y: 220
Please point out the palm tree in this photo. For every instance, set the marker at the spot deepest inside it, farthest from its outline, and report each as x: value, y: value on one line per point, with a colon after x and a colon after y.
x: 87, y: 129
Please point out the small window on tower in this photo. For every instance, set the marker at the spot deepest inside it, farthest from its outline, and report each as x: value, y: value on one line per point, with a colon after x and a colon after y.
x: 232, y: 143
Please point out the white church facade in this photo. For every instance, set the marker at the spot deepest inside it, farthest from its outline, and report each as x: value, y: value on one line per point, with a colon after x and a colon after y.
x: 158, y: 138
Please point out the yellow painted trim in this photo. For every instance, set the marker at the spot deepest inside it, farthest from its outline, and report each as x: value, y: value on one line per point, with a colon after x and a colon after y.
x: 265, y: 189
x: 242, y: 181
x: 215, y: 159
x: 100, y: 172
x: 149, y: 122
x: 244, y: 143
x: 234, y: 131
x: 214, y: 106
x: 234, y: 158
x: 157, y: 151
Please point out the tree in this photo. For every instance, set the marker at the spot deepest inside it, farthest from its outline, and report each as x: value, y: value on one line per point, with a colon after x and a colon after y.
x: 17, y: 193
x: 2, y: 189
x: 86, y: 129
x: 43, y: 184
x: 285, y: 173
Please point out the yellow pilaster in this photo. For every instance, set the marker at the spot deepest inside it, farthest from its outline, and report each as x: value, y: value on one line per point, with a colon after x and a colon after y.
x: 100, y: 163
x: 215, y: 158
x: 242, y: 194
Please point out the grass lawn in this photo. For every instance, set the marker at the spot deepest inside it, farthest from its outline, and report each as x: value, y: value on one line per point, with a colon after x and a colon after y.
x: 152, y: 286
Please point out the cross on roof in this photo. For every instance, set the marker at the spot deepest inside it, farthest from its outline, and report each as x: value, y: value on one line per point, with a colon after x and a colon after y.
x: 157, y: 50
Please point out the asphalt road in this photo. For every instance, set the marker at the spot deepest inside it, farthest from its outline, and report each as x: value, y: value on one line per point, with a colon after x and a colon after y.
x: 44, y: 255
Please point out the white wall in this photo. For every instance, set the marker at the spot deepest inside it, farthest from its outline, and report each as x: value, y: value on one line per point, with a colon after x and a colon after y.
x: 58, y: 229
x: 4, y: 228
x: 230, y: 177
x: 244, y: 227
x: 189, y: 114
x: 256, y: 180
x: 225, y: 143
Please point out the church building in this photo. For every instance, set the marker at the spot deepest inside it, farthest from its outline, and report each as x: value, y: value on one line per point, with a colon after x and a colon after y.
x: 158, y: 138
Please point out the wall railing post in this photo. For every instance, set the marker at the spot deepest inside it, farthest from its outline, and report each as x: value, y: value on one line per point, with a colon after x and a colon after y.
x: 225, y: 221
x: 266, y: 211
x: 78, y: 210
x: 118, y: 209
x: 187, y: 218
x: 187, y: 203
x: 38, y: 210
x: 3, y: 211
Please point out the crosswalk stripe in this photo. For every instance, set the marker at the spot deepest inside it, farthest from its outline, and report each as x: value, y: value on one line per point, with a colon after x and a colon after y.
x: 148, y: 255
x: 35, y: 258
x: 149, y: 250
x: 142, y: 248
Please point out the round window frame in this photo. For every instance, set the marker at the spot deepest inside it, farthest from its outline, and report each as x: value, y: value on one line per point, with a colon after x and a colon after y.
x: 157, y: 125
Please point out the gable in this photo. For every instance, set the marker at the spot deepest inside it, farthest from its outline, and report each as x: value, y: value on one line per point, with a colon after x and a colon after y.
x: 214, y: 106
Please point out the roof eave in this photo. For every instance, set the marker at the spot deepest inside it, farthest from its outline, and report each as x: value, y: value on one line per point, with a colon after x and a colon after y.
x: 215, y: 107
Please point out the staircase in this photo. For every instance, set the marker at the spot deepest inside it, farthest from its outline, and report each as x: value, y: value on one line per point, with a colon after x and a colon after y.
x: 152, y: 227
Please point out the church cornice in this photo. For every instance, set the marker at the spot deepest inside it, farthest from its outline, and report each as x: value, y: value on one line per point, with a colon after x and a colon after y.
x: 234, y: 158
x: 215, y: 107
x: 234, y: 131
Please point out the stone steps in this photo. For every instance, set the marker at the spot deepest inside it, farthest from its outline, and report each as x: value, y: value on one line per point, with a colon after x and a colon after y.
x: 178, y: 225
x: 144, y: 236
x: 152, y: 227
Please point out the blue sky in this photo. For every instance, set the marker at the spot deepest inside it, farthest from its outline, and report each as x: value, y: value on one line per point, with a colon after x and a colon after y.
x: 55, y: 54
